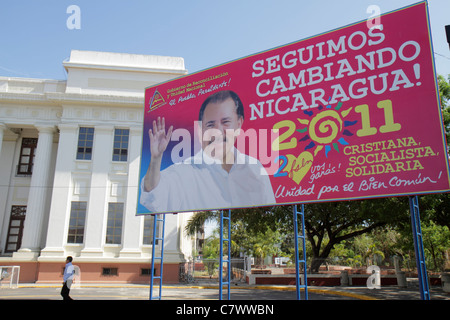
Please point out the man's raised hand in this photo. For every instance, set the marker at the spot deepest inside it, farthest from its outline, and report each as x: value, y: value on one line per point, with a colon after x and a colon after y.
x: 159, y: 139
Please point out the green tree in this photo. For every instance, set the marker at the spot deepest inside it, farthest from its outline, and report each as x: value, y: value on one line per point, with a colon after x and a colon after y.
x: 444, y: 90
x: 256, y: 232
x: 198, y: 220
x: 210, y: 254
x: 436, y: 241
x: 263, y: 244
x: 328, y: 224
x: 444, y: 95
x: 436, y: 207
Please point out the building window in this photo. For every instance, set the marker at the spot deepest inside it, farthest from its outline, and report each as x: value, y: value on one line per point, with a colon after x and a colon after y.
x: 26, y: 159
x: 147, y: 272
x: 15, y: 230
x: 120, y: 150
x: 77, y: 221
x: 109, y: 271
x: 148, y: 230
x: 85, y: 143
x: 114, y: 225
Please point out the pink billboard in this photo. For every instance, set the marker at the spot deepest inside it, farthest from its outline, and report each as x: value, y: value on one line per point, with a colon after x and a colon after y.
x: 350, y: 114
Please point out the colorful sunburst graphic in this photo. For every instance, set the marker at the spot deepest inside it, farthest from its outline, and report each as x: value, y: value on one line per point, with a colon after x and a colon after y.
x: 326, y: 128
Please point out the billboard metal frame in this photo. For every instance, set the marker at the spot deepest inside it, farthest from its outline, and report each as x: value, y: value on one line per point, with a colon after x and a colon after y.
x: 156, y: 219
x: 298, y: 216
x: 418, y: 248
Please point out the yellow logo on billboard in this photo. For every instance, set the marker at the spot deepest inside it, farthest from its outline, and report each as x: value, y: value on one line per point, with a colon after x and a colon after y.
x: 157, y: 101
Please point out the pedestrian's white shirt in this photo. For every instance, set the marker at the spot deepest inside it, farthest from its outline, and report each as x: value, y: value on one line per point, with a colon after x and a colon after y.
x: 69, y: 271
x: 200, y: 183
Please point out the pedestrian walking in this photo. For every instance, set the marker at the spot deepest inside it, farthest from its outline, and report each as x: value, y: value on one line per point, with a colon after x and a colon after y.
x: 69, y: 271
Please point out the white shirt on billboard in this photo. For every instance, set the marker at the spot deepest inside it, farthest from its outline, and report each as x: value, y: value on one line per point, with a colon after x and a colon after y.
x: 200, y: 183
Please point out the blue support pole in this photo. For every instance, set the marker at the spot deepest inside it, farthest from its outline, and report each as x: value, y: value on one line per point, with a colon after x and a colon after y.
x: 221, y: 259
x: 299, y: 261
x: 156, y: 219
x: 418, y: 247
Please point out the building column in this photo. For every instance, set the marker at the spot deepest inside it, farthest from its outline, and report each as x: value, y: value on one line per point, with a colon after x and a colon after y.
x: 38, y: 195
x: 60, y: 206
x: 2, y: 129
x: 172, y: 244
x: 3, y: 191
x: 133, y: 225
x: 97, y: 206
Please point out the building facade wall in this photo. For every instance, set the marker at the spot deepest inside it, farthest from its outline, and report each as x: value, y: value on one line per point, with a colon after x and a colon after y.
x: 103, y: 92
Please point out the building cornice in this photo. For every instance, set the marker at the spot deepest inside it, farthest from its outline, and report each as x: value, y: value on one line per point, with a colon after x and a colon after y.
x: 77, y: 65
x: 15, y: 97
x: 57, y: 99
x: 94, y: 99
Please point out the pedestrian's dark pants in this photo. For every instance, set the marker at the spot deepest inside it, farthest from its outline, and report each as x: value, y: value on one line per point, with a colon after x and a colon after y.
x: 65, y: 292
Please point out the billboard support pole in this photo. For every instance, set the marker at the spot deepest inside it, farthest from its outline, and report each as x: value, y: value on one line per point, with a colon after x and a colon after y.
x: 228, y: 253
x: 418, y: 247
x: 300, y: 215
x: 156, y: 219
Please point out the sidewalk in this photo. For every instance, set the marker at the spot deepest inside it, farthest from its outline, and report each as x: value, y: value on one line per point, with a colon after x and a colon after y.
x: 211, y: 292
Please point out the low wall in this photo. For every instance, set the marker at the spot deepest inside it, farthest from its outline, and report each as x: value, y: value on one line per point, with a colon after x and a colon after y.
x: 324, y: 279
x: 289, y: 279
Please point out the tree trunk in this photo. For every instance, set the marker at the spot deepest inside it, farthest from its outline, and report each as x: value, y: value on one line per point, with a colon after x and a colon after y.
x: 315, y: 264
x: 318, y: 259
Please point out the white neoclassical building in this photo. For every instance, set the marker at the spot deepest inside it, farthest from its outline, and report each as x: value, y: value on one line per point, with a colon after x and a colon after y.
x: 69, y: 170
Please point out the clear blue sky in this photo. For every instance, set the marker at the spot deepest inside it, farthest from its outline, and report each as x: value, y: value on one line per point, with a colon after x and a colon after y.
x: 35, y: 39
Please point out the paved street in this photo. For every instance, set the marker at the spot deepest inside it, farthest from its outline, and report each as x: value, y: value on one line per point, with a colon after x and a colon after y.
x: 274, y: 302
x: 239, y: 292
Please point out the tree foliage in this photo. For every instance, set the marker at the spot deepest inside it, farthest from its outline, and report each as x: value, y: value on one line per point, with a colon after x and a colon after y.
x: 444, y: 96
x: 328, y: 224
